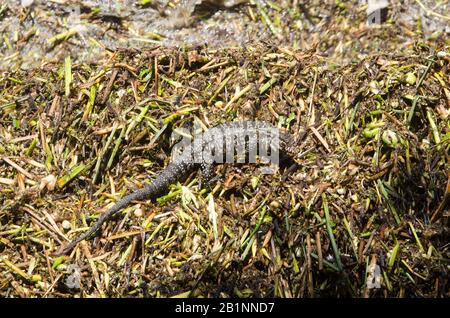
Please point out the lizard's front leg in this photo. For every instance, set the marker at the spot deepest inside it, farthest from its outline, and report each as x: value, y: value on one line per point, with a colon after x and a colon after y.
x: 207, y: 175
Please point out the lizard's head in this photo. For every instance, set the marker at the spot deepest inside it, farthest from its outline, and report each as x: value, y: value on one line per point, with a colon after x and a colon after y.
x: 288, y: 145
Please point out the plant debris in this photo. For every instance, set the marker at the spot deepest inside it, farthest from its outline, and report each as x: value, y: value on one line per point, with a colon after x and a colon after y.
x: 363, y: 213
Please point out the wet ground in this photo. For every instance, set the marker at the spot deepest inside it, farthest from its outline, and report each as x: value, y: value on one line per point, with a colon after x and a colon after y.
x: 33, y: 30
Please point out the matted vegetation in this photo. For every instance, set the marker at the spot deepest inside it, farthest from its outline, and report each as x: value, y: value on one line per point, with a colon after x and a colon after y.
x: 367, y: 201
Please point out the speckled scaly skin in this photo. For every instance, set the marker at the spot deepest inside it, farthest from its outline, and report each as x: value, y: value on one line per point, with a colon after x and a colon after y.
x: 187, y: 162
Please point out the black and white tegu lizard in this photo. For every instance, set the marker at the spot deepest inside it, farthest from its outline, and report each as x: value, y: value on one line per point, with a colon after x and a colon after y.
x: 220, y: 144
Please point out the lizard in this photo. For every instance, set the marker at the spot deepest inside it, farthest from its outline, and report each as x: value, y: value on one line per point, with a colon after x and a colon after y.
x: 243, y: 135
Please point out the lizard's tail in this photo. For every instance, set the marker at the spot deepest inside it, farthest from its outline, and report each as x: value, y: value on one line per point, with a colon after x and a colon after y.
x: 148, y: 191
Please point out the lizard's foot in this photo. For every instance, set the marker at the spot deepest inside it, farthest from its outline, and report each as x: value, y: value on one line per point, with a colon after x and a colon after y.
x: 207, y: 176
